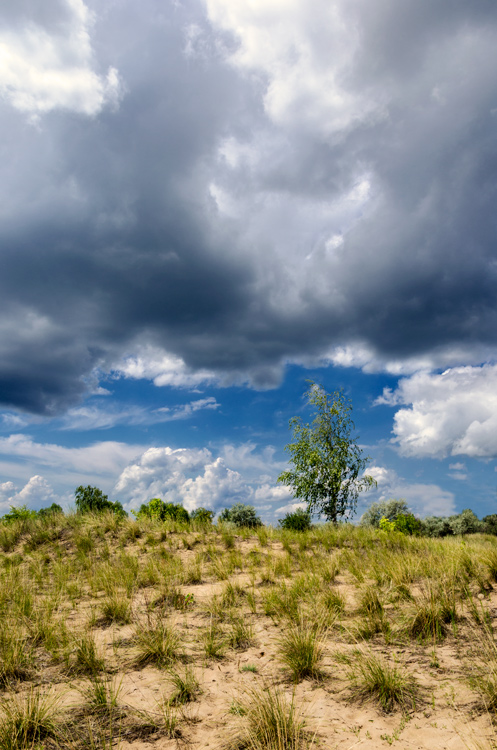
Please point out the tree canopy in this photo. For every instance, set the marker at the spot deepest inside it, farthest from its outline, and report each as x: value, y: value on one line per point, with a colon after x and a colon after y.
x: 327, y: 461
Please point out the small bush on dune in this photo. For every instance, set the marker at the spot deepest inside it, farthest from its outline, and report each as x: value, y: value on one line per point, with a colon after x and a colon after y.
x: 241, y: 515
x: 299, y: 520
x: 156, y: 509
x: 92, y: 500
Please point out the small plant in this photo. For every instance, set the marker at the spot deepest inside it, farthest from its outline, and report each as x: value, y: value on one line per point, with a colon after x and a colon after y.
x: 87, y: 660
x: 157, y: 642
x: 241, y: 515
x: 16, y: 655
x: 249, y: 668
x: 213, y: 641
x: 241, y: 635
x: 116, y: 608
x: 387, y: 685
x: 432, y: 614
x: 271, y: 722
x: 300, y: 649
x: 170, y: 721
x: 334, y: 601
x: 186, y: 687
x: 299, y: 520
x: 27, y: 720
x: 101, y: 695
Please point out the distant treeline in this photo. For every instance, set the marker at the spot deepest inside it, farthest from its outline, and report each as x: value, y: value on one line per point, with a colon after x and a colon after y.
x: 388, y: 515
x: 395, y: 515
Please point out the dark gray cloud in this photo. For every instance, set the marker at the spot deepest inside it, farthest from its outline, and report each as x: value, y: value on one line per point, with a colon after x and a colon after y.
x: 237, y: 213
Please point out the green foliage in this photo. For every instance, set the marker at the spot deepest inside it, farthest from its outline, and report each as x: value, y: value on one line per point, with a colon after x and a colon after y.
x: 327, y: 460
x: 490, y: 524
x: 158, y: 510
x: 241, y: 515
x: 386, y: 525
x: 50, y: 511
x: 202, y: 515
x: 299, y: 520
x: 406, y: 523
x: 464, y: 523
x: 92, y: 500
x: 18, y: 514
x: 435, y: 526
x: 388, y: 509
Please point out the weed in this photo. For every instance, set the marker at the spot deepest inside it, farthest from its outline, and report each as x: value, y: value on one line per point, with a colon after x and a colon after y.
x: 241, y: 634
x: 157, y: 642
x: 213, y: 641
x: 27, y: 720
x: 389, y: 686
x: 271, y: 722
x: 300, y: 649
x: 186, y: 687
x: 116, y: 608
x: 87, y: 660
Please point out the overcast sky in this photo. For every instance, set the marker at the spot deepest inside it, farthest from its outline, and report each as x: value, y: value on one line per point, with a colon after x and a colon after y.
x: 205, y: 202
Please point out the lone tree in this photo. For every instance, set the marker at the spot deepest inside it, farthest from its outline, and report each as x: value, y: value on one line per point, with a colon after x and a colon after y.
x: 327, y: 460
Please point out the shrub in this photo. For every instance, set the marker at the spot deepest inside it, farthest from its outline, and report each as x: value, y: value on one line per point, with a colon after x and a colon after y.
x: 241, y: 515
x: 490, y: 524
x: 466, y: 523
x: 406, y: 523
x: 92, y: 500
x: 435, y: 526
x: 158, y: 510
x: 202, y: 515
x: 50, y: 511
x: 388, y: 509
x: 18, y: 514
x: 299, y: 520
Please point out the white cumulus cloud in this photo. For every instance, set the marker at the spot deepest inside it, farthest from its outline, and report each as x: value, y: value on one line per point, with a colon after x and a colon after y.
x: 452, y: 413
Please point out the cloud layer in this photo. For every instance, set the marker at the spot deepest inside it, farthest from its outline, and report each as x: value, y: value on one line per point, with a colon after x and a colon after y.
x: 214, y: 189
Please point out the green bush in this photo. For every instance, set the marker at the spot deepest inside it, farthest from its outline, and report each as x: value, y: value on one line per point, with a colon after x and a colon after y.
x: 50, y: 511
x: 18, y: 514
x: 388, y: 509
x: 241, y: 515
x: 92, y: 500
x: 299, y: 520
x: 464, y: 523
x: 490, y: 524
x: 202, y: 515
x: 435, y: 526
x: 159, y: 510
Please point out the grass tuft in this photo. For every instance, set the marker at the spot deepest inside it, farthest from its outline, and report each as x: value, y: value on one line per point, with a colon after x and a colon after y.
x: 388, y: 686
x: 301, y: 651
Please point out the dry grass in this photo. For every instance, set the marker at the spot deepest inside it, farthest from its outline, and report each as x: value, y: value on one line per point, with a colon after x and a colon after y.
x: 156, y: 630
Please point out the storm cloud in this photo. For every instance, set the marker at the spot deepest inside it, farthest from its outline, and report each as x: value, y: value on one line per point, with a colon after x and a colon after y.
x: 233, y: 187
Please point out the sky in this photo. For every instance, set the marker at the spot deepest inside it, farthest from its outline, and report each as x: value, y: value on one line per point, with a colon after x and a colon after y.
x: 204, y: 204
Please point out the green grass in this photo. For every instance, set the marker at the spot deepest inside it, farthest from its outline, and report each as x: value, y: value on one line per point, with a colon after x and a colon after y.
x: 390, y: 687
x: 186, y: 686
x: 271, y: 721
x: 157, y: 642
x: 300, y: 649
x: 27, y: 720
